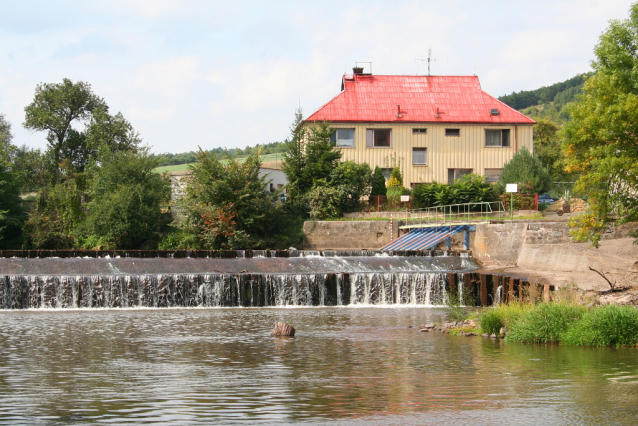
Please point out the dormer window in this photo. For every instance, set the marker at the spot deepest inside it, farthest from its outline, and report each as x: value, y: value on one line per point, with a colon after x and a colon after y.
x: 495, y: 112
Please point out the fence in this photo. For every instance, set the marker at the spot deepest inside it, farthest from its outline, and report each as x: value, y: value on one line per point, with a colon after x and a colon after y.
x: 455, y: 214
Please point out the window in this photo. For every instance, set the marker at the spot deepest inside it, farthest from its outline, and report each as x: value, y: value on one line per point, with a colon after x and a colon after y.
x: 419, y: 156
x: 343, y: 138
x: 452, y: 132
x: 386, y: 172
x: 378, y: 138
x: 455, y: 174
x: 497, y: 137
x: 419, y: 131
x: 493, y: 175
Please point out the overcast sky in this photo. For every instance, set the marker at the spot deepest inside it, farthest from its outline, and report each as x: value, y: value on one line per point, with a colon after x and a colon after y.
x: 231, y: 73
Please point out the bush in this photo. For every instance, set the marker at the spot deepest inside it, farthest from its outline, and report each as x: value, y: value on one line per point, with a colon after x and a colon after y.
x: 545, y: 323
x: 490, y: 321
x: 605, y: 326
x: 469, y: 189
x: 528, y: 171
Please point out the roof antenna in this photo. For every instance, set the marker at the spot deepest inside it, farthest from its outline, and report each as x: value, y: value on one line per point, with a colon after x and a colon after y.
x: 422, y: 59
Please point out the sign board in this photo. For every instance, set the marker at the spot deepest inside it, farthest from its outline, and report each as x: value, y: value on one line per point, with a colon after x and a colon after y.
x: 511, y: 187
x: 405, y: 198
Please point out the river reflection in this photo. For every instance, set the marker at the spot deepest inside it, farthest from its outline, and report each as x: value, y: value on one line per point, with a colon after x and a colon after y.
x: 346, y: 365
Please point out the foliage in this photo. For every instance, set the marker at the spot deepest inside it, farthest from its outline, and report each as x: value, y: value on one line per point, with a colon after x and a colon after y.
x: 490, y: 322
x: 527, y: 171
x: 378, y: 183
x: 56, y: 107
x: 178, y: 239
x: 546, y: 323
x: 454, y: 310
x: 558, y: 94
x: 57, y: 213
x: 226, y: 206
x: 470, y: 188
x: 126, y: 198
x: 11, y: 212
x: 601, y: 141
x: 349, y: 182
x: 547, y: 147
x: 325, y: 202
x: 308, y: 156
x: 610, y: 325
x: 396, y: 179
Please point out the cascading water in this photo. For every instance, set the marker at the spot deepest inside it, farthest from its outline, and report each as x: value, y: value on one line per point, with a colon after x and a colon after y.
x: 305, y: 280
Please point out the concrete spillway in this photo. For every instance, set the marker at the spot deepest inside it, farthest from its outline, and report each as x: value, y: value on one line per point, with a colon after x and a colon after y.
x: 295, y: 281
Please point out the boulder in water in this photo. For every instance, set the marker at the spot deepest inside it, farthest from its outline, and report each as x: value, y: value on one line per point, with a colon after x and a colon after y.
x: 283, y: 329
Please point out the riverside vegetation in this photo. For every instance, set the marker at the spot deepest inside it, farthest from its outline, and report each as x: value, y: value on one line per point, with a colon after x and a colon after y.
x: 564, y: 322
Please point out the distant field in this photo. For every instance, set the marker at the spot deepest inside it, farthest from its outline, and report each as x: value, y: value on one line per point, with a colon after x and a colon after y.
x: 272, y: 161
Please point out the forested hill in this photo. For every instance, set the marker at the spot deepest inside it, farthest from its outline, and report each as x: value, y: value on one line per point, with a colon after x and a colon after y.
x: 548, y: 101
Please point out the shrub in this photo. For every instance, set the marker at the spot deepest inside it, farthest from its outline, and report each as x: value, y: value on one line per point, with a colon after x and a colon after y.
x: 545, y: 323
x: 605, y: 326
x: 490, y: 321
x: 528, y: 171
x: 378, y: 183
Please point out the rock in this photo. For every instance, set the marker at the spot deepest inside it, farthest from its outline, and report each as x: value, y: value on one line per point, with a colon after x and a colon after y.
x: 503, y: 331
x: 428, y: 325
x: 283, y: 329
x: 469, y: 333
x: 493, y: 336
x: 486, y: 335
x: 426, y: 330
x: 471, y: 323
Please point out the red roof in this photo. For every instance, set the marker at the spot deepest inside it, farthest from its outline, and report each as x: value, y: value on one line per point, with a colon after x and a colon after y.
x: 374, y: 98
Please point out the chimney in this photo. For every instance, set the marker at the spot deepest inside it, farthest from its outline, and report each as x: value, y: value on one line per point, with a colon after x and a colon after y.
x: 357, y: 70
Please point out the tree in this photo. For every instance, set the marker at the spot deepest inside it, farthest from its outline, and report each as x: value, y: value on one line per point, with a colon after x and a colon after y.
x: 527, y: 171
x: 601, y: 141
x: 353, y: 181
x: 126, y: 199
x: 57, y: 107
x: 12, y: 215
x: 54, y: 109
x: 308, y: 156
x: 378, y: 183
x: 547, y: 147
x: 226, y: 205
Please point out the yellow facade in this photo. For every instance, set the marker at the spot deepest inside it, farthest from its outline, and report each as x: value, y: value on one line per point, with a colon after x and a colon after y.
x: 443, y: 153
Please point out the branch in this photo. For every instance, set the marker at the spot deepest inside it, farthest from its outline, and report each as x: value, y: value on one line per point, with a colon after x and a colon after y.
x: 612, y: 285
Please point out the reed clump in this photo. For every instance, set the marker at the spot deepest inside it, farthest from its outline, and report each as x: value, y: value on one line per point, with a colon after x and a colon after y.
x: 610, y: 325
x: 545, y: 323
x: 563, y: 322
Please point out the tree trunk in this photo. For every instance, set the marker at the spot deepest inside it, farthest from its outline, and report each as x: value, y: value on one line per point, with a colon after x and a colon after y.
x: 283, y: 329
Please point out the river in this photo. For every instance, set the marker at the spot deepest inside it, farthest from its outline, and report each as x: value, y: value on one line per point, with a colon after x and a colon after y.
x: 365, y: 365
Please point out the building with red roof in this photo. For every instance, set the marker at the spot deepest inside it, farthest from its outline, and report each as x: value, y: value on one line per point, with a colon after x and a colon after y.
x: 437, y: 128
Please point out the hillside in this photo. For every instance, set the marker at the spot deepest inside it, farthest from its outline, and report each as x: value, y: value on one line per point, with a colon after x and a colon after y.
x: 548, y: 101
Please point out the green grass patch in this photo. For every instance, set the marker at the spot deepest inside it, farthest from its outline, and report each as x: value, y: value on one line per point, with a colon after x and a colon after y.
x: 490, y: 322
x: 605, y: 326
x: 546, y: 323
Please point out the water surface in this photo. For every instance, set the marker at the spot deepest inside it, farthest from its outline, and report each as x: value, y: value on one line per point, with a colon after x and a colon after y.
x: 346, y: 365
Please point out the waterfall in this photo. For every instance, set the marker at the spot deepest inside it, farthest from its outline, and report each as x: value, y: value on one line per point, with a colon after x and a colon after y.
x: 220, y: 290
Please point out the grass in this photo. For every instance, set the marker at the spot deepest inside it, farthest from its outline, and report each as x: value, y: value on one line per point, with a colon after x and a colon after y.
x: 610, y: 325
x: 268, y: 158
x: 545, y: 323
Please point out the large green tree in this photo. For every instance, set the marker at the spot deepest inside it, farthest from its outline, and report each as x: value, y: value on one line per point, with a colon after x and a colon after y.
x: 126, y: 199
x: 601, y: 140
x: 58, y: 108
x: 308, y: 156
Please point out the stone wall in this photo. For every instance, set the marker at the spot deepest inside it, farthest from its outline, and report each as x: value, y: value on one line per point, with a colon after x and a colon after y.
x: 347, y: 235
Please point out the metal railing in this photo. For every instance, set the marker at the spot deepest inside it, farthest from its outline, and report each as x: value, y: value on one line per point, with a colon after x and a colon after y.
x: 454, y: 214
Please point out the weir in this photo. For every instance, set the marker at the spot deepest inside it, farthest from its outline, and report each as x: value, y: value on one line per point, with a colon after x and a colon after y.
x: 249, y: 279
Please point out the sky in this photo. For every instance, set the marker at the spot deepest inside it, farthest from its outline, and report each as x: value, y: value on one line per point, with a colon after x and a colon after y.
x: 209, y: 74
